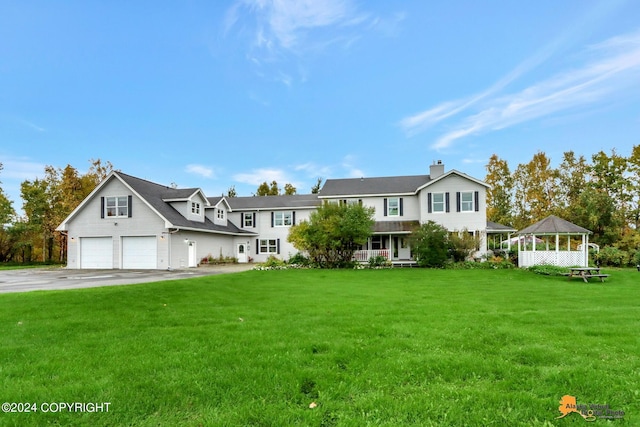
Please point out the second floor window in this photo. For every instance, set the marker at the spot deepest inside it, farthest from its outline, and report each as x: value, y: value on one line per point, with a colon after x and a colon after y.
x: 117, y: 206
x: 437, y: 202
x: 195, y: 208
x: 282, y: 219
x: 393, y: 206
x: 247, y: 219
x: 466, y: 201
x: 220, y: 214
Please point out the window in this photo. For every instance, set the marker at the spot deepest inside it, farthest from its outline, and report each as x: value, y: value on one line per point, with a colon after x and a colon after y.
x: 247, y: 219
x: 466, y: 201
x: 220, y: 213
x: 195, y: 208
x: 282, y: 219
x: 437, y: 201
x: 393, y: 206
x: 268, y: 246
x: 117, y: 206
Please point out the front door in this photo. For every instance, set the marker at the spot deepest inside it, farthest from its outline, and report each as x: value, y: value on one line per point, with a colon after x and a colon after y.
x: 241, y: 253
x: 193, y: 261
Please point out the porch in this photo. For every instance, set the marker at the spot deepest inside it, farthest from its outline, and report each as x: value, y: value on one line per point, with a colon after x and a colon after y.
x: 390, y: 239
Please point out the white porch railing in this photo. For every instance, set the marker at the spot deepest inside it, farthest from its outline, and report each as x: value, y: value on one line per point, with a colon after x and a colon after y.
x: 365, y: 255
x: 559, y: 258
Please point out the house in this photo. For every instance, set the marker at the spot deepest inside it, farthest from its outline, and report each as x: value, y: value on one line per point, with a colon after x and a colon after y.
x: 132, y: 223
x: 452, y: 199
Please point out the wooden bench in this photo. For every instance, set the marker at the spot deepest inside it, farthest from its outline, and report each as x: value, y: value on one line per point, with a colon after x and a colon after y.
x: 586, y: 273
x: 600, y: 276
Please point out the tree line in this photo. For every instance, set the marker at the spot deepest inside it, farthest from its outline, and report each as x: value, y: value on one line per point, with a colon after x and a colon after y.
x: 46, y: 203
x: 601, y: 194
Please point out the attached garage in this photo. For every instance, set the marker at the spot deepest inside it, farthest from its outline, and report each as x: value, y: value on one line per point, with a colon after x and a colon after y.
x: 96, y: 252
x: 140, y: 252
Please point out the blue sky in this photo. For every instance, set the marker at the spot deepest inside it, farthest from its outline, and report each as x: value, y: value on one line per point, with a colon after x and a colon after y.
x: 214, y: 94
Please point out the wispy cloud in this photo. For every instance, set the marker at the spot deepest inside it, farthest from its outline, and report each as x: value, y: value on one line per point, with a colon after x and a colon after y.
x: 282, y: 32
x: 258, y: 176
x: 352, y: 171
x: 203, y: 171
x: 313, y: 170
x: 285, y: 24
x: 608, y: 68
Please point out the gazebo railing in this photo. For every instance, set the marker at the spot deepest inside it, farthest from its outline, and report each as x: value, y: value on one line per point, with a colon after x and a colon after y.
x: 559, y: 258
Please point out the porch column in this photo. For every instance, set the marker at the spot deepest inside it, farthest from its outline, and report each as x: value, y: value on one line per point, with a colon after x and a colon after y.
x: 557, y: 249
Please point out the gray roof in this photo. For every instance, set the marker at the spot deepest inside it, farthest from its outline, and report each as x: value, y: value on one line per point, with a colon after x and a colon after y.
x: 553, y: 225
x: 494, y: 227
x: 155, y: 194
x: 273, y: 202
x: 370, y: 186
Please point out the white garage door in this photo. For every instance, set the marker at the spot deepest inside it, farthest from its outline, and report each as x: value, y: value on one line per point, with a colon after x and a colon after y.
x: 96, y: 252
x: 140, y: 252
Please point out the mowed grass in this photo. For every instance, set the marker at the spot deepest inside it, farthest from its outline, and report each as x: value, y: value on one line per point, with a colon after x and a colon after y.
x: 381, y: 348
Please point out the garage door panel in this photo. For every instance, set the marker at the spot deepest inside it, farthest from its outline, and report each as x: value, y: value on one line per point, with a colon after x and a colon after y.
x: 139, y: 252
x: 96, y: 252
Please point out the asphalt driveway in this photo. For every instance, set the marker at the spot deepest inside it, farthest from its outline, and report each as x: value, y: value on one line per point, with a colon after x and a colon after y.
x: 40, y: 279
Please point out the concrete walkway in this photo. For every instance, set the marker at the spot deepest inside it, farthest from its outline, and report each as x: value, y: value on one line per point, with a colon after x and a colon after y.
x: 42, y: 279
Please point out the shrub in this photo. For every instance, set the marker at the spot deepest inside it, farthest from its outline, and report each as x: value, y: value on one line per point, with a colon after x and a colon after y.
x: 429, y: 245
x: 463, y: 245
x: 379, y: 262
x: 274, y: 262
x: 299, y: 259
x: 612, y: 256
x: 548, y: 270
x: 487, y: 265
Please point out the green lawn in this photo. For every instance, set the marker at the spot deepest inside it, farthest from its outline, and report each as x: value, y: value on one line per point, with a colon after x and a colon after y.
x: 368, y: 347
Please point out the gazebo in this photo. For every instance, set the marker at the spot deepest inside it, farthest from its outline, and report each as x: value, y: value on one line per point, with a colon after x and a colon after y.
x: 559, y: 248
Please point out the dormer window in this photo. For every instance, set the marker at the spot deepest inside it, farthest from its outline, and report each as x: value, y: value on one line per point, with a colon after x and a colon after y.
x: 220, y: 214
x: 195, y: 208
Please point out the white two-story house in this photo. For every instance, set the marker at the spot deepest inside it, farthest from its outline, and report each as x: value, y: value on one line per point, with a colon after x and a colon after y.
x: 454, y: 200
x: 132, y: 223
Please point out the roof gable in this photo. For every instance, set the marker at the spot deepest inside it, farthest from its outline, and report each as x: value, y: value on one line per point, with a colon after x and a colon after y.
x: 454, y: 172
x: 156, y: 197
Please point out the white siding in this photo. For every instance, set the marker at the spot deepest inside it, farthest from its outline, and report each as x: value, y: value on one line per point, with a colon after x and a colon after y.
x: 452, y: 220
x: 88, y: 222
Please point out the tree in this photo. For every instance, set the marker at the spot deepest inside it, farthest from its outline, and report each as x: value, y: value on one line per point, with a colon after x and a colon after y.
x: 573, y: 175
x: 536, y: 190
x: 268, y: 190
x: 429, y: 244
x: 499, y: 194
x: 608, y: 177
x: 333, y: 233
x: 316, y: 188
x: 273, y: 189
x: 231, y: 192
x: 7, y: 216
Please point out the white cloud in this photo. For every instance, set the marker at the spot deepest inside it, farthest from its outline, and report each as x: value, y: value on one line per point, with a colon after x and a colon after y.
x: 203, y: 171
x: 282, y: 32
x: 258, y: 176
x: 313, y: 170
x: 610, y: 68
x: 352, y: 171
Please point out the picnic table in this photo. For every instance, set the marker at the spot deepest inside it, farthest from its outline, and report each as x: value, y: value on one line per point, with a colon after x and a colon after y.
x: 585, y: 273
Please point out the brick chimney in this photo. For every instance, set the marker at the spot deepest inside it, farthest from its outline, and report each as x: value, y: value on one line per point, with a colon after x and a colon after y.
x: 436, y: 169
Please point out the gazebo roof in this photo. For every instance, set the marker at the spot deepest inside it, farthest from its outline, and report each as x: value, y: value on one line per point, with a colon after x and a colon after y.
x: 553, y: 225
